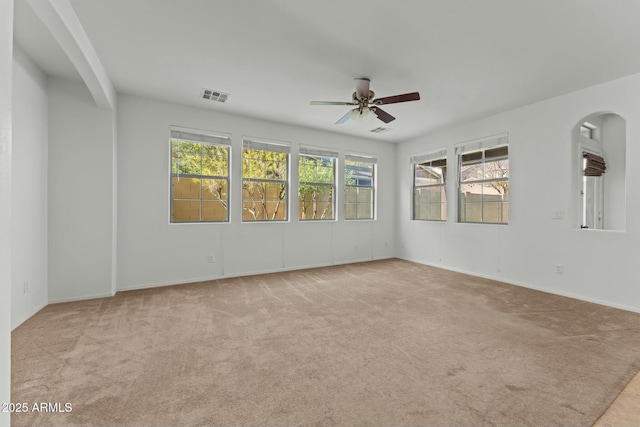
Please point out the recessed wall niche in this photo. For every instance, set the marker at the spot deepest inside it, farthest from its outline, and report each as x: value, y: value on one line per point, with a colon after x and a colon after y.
x: 599, y: 170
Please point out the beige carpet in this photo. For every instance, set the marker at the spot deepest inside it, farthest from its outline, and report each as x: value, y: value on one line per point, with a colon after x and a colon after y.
x: 381, y: 343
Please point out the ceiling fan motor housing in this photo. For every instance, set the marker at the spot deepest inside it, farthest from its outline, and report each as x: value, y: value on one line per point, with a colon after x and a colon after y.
x: 372, y: 95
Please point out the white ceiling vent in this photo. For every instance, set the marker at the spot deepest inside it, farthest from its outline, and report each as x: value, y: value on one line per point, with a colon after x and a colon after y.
x: 214, y: 95
x: 379, y: 130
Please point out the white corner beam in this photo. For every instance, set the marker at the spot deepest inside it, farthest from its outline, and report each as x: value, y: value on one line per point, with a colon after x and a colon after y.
x: 63, y: 23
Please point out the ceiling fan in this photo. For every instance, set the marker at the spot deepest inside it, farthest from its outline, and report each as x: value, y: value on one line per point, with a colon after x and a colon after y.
x: 366, y: 102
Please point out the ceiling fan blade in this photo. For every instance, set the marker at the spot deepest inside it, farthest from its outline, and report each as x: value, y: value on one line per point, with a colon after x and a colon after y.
x: 383, y: 115
x: 331, y: 103
x: 413, y: 96
x: 362, y: 87
x: 346, y: 117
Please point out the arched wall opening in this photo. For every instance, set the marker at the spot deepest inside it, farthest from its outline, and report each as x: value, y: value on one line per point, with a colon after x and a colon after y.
x: 599, y: 171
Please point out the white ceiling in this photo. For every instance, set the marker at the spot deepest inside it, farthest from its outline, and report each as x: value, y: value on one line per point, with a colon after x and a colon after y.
x: 467, y: 58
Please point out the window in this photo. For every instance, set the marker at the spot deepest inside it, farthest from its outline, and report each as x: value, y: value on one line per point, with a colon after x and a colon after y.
x: 199, y: 177
x: 317, y: 184
x: 429, y: 186
x: 593, y: 166
x: 359, y: 178
x: 484, y: 182
x: 265, y: 180
x: 587, y: 130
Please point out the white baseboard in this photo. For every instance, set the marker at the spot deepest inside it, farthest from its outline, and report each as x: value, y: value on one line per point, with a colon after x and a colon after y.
x: 80, y: 298
x: 528, y: 286
x: 241, y: 274
x: 25, y: 317
x: 310, y: 266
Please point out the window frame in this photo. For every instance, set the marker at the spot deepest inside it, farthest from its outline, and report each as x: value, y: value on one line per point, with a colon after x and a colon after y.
x: 592, y: 195
x: 319, y: 153
x: 203, y: 138
x: 430, y: 158
x: 482, y: 146
x: 367, y: 160
x: 259, y: 144
x: 589, y: 131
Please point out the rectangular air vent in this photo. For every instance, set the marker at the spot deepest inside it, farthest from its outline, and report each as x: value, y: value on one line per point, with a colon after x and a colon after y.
x: 214, y: 95
x: 380, y: 130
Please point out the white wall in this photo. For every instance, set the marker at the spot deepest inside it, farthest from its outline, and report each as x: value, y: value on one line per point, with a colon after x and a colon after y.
x: 29, y: 189
x: 614, y: 143
x: 598, y: 265
x: 81, y: 189
x: 153, y: 252
x: 6, y: 71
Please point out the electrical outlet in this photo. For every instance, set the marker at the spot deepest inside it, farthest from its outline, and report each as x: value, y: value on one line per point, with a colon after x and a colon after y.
x: 559, y: 269
x: 211, y: 259
x: 25, y: 287
x: 557, y: 214
x: 355, y: 247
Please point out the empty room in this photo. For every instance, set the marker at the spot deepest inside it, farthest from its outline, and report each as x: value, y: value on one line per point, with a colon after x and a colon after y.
x: 336, y: 213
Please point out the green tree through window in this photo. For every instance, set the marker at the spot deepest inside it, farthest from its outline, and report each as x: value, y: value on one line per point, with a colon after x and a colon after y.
x: 316, y: 187
x: 265, y: 171
x: 199, y: 178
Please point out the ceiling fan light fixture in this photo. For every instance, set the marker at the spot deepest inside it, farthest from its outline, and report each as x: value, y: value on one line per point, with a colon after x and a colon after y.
x: 363, y: 113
